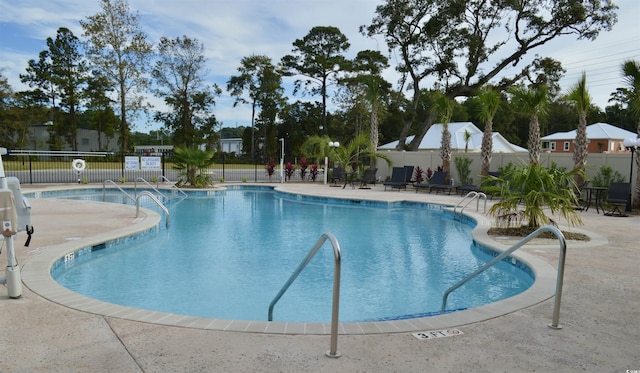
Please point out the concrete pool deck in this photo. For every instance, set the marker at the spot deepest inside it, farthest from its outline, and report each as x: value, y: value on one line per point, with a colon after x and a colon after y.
x: 600, y: 314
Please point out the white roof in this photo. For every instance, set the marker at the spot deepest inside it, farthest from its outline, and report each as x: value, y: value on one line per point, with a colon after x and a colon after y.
x: 594, y: 131
x: 432, y: 138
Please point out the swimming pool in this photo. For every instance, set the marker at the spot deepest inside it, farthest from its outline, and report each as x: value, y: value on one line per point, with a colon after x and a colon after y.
x: 392, y: 260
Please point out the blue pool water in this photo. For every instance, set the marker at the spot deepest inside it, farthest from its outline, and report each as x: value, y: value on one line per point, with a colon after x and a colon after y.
x: 226, y: 256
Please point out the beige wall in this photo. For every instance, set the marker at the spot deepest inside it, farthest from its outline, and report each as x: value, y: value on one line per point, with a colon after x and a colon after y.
x: 426, y: 159
x: 594, y: 146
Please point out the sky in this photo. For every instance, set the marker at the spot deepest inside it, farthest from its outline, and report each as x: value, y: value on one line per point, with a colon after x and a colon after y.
x: 231, y: 30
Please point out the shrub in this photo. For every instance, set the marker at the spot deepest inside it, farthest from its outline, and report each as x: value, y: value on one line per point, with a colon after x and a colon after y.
x: 191, y: 162
x: 463, y: 165
x: 303, y: 167
x: 606, y: 176
x: 417, y: 175
x: 289, y: 169
x: 270, y: 167
x: 536, y: 189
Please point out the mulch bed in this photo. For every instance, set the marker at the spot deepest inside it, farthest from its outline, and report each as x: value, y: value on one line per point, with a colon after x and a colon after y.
x: 525, y: 231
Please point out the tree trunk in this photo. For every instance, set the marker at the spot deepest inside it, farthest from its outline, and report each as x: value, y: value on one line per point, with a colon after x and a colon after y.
x: 580, y: 151
x: 373, y: 136
x: 486, y: 149
x: 534, y: 140
x: 123, y: 119
x: 445, y: 148
x: 403, y: 135
x: 428, y: 122
x: 253, y: 141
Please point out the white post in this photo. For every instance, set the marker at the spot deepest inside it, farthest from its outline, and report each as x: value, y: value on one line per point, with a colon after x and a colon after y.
x: 282, y: 160
x: 13, y: 279
x: 326, y: 171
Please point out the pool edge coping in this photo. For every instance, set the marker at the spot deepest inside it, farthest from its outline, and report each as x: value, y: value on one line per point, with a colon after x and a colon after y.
x: 36, y: 276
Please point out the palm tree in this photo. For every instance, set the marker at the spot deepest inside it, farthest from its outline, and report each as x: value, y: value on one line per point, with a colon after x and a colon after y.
x: 191, y: 162
x: 533, y: 103
x: 374, y: 85
x: 631, y: 72
x: 581, y: 100
x: 369, y: 65
x: 467, y: 138
x: 318, y: 147
x: 531, y: 191
x: 445, y: 108
x: 488, y: 102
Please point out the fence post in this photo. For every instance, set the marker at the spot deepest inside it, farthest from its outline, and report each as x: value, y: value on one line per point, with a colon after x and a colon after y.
x: 122, y: 155
x: 30, y: 170
x: 163, y: 165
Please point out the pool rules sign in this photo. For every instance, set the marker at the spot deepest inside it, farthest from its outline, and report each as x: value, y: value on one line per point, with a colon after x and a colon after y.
x: 151, y: 163
x: 143, y: 163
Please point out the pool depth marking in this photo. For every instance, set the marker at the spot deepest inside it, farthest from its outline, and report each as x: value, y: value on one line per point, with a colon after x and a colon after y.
x: 432, y: 334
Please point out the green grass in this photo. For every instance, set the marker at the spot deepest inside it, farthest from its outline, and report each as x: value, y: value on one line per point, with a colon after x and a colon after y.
x: 103, y: 165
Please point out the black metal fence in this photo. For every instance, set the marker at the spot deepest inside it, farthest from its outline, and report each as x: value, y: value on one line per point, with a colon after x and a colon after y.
x: 34, y: 167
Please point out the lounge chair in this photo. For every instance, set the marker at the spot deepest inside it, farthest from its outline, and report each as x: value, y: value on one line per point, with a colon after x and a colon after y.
x: 336, y: 175
x: 465, y: 189
x: 617, y: 197
x: 443, y: 186
x: 398, y: 179
x: 436, y: 182
x: 409, y: 175
x: 368, y: 178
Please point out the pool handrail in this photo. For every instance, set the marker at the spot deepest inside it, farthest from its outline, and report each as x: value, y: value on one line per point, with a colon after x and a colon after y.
x: 333, y: 351
x: 559, y: 281
x: 154, y: 199
x: 473, y: 195
x: 135, y: 187
x: 104, y: 187
x: 173, y: 185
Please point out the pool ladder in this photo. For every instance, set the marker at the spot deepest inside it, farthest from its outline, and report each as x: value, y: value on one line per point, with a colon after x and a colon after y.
x: 135, y: 187
x: 173, y: 185
x: 136, y: 200
x: 333, y: 351
x: 470, y: 197
x: 154, y: 199
x: 559, y: 281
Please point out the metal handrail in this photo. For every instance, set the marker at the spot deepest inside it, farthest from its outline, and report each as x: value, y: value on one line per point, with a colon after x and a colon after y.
x: 474, y: 196
x: 104, y: 188
x: 154, y: 199
x: 173, y: 185
x: 333, y: 351
x: 135, y: 187
x: 559, y: 281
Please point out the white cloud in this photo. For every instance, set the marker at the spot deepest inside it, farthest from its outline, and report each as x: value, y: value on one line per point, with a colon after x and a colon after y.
x: 231, y: 30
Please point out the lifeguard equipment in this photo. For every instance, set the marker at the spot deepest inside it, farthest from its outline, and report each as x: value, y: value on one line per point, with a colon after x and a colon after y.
x: 78, y: 165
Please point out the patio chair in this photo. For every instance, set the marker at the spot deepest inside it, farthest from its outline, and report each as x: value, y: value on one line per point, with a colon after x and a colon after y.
x: 368, y: 178
x: 436, y: 182
x: 336, y: 175
x: 617, y: 198
x: 398, y: 179
x: 409, y: 175
x: 465, y: 189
